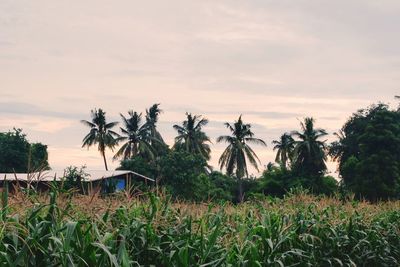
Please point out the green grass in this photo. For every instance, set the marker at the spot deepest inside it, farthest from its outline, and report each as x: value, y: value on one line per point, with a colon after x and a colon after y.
x: 300, y: 230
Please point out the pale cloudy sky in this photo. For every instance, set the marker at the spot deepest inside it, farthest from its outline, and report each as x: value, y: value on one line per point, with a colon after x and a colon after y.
x: 275, y: 62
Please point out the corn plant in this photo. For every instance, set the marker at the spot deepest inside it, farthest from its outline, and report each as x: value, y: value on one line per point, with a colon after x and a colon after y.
x: 153, y: 231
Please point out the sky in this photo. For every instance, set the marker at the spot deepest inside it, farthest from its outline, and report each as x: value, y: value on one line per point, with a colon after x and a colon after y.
x: 275, y: 62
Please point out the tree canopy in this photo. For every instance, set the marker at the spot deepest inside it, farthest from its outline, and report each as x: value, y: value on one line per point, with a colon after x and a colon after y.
x: 191, y: 137
x: 18, y: 155
x: 368, y: 151
x: 238, y: 152
x: 101, y: 133
x: 309, y: 150
x: 136, y: 136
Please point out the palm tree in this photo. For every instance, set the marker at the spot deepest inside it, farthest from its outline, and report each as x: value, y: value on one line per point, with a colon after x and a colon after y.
x: 284, y: 147
x: 137, y: 137
x: 101, y: 133
x: 238, y: 152
x: 337, y: 148
x: 191, y: 138
x: 309, y: 152
x: 152, y: 115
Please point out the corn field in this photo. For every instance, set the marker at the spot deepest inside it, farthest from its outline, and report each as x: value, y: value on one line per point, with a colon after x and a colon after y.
x: 61, y: 229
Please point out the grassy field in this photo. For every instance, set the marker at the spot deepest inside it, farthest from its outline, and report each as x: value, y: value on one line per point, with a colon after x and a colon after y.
x: 149, y: 230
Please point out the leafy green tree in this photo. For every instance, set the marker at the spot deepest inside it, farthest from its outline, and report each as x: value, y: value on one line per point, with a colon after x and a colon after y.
x: 39, y: 157
x: 223, y: 186
x: 309, y: 154
x: 238, y: 153
x: 191, y: 138
x: 100, y: 134
x: 368, y: 151
x: 181, y: 173
x: 139, y: 165
x: 284, y: 147
x: 17, y: 154
x: 137, y: 138
x: 277, y: 181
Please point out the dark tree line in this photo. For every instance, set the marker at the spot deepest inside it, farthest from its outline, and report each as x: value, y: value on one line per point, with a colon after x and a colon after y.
x: 367, y: 150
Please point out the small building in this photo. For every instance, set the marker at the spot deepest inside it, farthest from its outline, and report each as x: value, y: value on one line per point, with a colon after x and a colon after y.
x: 94, y: 181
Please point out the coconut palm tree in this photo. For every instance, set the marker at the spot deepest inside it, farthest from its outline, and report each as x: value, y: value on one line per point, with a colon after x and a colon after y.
x: 101, y: 133
x: 284, y: 147
x: 337, y: 148
x: 152, y: 115
x: 191, y: 138
x: 309, y: 152
x: 238, y: 152
x: 136, y: 136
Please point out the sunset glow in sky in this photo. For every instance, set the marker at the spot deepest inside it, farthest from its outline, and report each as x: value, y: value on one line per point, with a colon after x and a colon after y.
x: 275, y: 62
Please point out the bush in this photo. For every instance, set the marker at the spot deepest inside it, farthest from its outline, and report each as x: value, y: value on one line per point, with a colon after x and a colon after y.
x: 139, y: 165
x: 180, y: 173
x: 277, y: 181
x: 223, y: 187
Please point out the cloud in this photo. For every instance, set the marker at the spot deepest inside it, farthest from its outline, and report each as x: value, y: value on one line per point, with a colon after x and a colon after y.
x: 35, y: 123
x: 22, y: 108
x: 273, y: 61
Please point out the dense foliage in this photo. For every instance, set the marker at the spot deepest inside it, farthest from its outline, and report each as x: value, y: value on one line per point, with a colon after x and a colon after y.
x: 299, y: 230
x: 277, y: 181
x: 18, y: 155
x: 136, y: 138
x: 191, y: 137
x: 185, y: 176
x: 368, y: 151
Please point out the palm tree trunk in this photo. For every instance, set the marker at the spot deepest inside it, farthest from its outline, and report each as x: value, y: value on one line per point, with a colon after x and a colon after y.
x: 105, y: 161
x: 240, y: 191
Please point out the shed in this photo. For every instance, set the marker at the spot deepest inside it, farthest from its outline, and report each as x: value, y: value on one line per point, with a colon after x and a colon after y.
x: 121, y: 179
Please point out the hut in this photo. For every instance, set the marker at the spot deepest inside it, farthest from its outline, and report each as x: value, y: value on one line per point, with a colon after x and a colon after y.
x: 93, y: 181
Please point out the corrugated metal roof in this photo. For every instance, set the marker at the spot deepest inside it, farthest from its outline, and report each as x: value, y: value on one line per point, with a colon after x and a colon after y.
x: 47, y: 176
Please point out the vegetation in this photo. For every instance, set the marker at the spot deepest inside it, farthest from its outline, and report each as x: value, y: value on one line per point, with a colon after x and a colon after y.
x: 137, y: 137
x: 101, y: 133
x: 309, y: 151
x: 152, y: 115
x: 368, y: 151
x: 238, y: 152
x: 294, y: 214
x: 18, y: 155
x: 57, y: 230
x: 285, y: 147
x: 191, y: 138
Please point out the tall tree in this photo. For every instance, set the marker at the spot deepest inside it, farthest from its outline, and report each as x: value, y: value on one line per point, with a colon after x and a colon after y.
x: 309, y: 151
x: 235, y: 156
x: 18, y: 155
x: 100, y: 134
x: 338, y: 149
x: 368, y: 151
x: 152, y: 115
x: 38, y: 157
x: 137, y: 137
x: 284, y: 147
x: 157, y: 142
x: 191, y: 138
